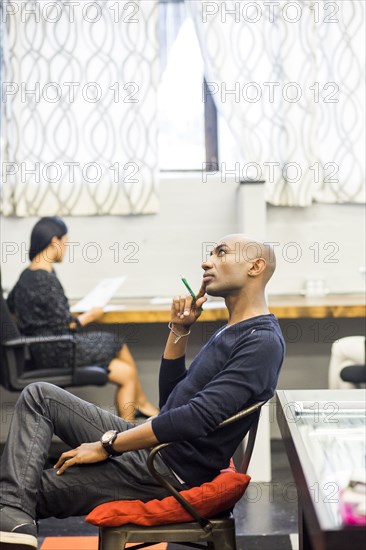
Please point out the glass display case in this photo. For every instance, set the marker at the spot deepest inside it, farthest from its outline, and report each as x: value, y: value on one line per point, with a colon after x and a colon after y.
x: 325, y: 439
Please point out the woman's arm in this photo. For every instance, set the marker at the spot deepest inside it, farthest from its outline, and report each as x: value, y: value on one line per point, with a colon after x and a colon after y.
x: 90, y: 316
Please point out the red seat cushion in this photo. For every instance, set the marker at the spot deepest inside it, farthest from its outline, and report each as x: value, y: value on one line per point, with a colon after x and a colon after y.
x: 209, y: 499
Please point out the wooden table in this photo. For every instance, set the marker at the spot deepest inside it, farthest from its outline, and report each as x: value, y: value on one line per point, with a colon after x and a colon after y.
x: 141, y: 310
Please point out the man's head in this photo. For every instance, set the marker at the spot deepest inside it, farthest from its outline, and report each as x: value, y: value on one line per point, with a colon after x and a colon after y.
x: 238, y: 264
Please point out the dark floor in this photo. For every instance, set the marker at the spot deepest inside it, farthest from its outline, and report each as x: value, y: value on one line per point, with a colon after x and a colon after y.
x: 269, y: 508
x: 265, y: 516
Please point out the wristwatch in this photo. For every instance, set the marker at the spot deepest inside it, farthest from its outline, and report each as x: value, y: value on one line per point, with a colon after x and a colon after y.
x: 107, y: 441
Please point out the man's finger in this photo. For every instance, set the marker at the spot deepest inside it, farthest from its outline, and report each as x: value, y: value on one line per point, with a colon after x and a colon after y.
x: 182, y: 303
x: 175, y: 305
x: 202, y: 290
x: 188, y: 305
x: 65, y: 456
x: 201, y: 301
x: 66, y: 464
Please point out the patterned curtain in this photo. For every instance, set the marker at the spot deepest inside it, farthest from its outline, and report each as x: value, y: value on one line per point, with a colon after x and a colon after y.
x: 287, y: 78
x: 79, y: 98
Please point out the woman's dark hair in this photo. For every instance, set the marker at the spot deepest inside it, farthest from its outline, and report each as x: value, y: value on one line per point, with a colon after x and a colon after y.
x: 43, y: 232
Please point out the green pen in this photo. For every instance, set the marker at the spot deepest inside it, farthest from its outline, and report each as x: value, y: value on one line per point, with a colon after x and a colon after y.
x: 185, y: 282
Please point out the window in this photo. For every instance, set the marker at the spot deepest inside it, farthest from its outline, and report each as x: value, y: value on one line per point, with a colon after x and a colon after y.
x: 187, y: 124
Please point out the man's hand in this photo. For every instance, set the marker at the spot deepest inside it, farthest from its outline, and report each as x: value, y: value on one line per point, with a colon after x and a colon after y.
x: 134, y: 439
x: 87, y: 453
x: 184, y: 310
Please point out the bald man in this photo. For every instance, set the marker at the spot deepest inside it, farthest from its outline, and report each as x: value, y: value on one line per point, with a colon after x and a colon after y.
x: 238, y: 366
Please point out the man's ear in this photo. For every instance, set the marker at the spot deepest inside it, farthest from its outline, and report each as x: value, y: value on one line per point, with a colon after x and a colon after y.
x: 257, y: 267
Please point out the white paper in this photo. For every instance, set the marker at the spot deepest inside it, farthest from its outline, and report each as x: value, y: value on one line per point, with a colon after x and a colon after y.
x: 100, y: 295
x: 161, y: 300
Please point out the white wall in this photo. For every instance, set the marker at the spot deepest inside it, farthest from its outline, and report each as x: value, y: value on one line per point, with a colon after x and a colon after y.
x: 161, y: 247
x: 338, y: 233
x: 165, y: 245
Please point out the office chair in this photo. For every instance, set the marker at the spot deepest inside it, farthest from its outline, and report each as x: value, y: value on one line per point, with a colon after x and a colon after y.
x: 355, y: 374
x: 218, y: 532
x: 18, y: 369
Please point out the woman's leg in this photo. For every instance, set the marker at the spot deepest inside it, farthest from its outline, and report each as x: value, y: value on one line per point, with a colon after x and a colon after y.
x: 130, y: 395
x: 125, y: 376
x: 143, y: 404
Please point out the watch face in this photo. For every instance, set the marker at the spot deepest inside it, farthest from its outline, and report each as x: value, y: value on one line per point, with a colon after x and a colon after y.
x: 108, y: 436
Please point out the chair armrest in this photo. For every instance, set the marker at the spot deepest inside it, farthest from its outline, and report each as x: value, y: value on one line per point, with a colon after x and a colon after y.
x: 356, y: 374
x: 27, y: 340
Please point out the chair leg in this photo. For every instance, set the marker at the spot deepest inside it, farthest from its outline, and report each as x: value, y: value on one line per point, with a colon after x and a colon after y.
x: 223, y: 540
x: 111, y: 539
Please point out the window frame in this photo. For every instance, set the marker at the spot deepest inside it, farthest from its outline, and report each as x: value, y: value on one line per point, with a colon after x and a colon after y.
x: 211, y: 162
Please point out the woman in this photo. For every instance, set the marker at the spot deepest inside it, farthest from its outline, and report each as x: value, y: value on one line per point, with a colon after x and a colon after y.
x: 41, y: 307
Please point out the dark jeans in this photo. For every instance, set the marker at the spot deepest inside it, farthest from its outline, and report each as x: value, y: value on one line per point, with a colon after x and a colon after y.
x: 43, y: 410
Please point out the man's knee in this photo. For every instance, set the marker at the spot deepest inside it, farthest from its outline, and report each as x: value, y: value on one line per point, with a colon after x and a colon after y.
x: 38, y: 388
x: 37, y: 391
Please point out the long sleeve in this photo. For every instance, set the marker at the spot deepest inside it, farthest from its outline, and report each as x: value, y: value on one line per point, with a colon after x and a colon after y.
x: 245, y: 376
x: 55, y: 305
x: 10, y: 301
x: 172, y: 371
x: 235, y: 368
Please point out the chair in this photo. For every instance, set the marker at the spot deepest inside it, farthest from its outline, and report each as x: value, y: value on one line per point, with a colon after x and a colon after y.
x: 355, y: 374
x: 18, y: 370
x: 217, y: 532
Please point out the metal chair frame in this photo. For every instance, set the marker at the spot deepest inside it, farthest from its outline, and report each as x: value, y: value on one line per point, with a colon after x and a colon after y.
x: 218, y: 533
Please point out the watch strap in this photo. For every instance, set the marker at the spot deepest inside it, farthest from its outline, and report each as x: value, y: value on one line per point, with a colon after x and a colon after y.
x: 108, y: 445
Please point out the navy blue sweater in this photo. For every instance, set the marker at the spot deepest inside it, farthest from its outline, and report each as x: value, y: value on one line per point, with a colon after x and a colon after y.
x: 234, y: 369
